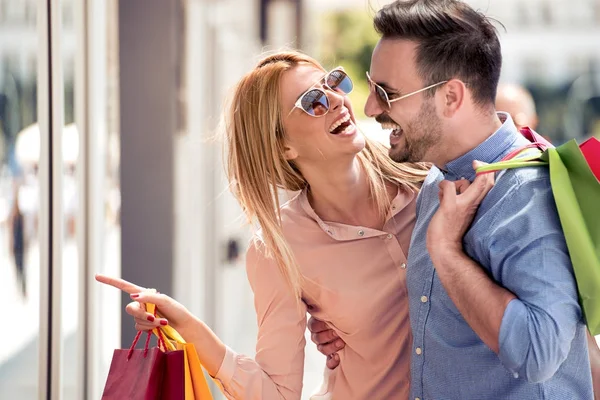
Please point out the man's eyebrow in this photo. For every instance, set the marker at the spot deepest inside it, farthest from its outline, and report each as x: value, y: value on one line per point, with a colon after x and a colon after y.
x: 387, y: 87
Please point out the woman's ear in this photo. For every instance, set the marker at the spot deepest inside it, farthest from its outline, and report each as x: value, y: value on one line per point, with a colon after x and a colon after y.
x: 290, y: 153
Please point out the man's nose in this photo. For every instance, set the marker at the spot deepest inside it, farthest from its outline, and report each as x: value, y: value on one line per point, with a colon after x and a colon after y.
x: 372, y: 106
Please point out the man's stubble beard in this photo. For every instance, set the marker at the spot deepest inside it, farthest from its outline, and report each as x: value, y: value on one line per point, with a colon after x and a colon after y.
x: 420, y: 135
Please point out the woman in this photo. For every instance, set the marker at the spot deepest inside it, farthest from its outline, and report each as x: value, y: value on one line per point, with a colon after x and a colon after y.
x: 337, y: 250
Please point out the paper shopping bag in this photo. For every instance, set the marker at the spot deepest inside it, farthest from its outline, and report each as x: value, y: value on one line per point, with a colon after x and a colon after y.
x: 135, y: 376
x: 174, y: 380
x: 577, y: 196
x: 196, y: 386
x: 574, y: 177
x: 591, y: 151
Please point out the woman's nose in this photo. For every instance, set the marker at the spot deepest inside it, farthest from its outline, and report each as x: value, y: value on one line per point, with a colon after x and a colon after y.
x: 336, y: 99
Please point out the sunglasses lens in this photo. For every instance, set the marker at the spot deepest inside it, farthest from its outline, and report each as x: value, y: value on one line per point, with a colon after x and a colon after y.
x: 339, y: 80
x: 315, y: 102
x: 382, y: 96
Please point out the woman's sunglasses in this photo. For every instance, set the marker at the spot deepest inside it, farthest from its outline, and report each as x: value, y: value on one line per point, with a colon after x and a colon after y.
x: 314, y: 101
x: 384, y: 99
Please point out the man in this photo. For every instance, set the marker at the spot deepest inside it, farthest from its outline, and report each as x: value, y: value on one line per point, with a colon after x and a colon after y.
x: 493, y: 306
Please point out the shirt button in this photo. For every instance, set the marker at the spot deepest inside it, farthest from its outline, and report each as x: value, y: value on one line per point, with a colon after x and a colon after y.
x: 417, y: 398
x: 389, y: 236
x: 361, y: 233
x: 418, y: 351
x: 403, y: 266
x: 516, y: 375
x: 423, y: 299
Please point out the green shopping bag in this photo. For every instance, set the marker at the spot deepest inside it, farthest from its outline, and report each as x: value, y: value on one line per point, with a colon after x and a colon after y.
x: 577, y: 195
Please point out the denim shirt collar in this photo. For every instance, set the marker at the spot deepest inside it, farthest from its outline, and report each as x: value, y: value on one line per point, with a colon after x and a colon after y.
x: 493, y: 149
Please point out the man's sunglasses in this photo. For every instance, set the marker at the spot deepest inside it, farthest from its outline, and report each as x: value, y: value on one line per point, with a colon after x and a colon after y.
x: 314, y: 101
x: 383, y: 97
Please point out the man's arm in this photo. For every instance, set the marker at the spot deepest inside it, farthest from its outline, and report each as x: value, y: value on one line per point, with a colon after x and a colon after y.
x: 531, y: 318
x: 480, y: 301
x: 327, y: 341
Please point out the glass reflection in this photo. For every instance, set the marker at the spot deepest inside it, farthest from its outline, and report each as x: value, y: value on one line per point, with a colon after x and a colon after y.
x: 70, y: 262
x: 19, y: 200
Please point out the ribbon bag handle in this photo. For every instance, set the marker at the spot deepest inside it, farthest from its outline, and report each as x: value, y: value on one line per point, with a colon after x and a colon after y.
x: 160, y: 339
x: 167, y: 334
x: 526, y: 156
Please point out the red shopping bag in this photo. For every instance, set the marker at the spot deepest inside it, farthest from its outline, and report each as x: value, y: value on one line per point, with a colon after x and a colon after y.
x: 136, y: 374
x: 173, y: 384
x: 591, y: 151
x: 148, y: 374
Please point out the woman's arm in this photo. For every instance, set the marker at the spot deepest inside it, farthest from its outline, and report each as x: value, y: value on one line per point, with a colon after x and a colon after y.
x: 277, y: 370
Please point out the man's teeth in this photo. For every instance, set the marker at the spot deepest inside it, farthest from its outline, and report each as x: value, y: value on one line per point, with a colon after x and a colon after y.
x: 390, y: 125
x: 339, y: 122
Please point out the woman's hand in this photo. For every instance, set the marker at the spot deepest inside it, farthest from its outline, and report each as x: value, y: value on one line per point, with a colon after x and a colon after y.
x: 171, y: 312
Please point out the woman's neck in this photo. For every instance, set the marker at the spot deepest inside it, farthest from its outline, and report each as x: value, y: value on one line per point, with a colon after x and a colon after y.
x: 342, y: 193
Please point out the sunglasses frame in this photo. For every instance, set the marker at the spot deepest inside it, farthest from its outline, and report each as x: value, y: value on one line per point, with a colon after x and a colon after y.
x: 298, y: 103
x: 387, y: 98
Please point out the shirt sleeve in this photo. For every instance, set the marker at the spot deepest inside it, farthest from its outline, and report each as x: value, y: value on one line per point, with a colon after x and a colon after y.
x: 277, y: 370
x: 529, y: 257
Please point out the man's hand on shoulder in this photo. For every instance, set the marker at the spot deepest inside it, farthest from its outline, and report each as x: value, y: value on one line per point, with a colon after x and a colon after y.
x: 459, y: 202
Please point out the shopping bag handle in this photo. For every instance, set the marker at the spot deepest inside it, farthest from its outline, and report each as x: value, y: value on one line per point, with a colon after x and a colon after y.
x: 159, y: 336
x: 525, y: 156
x: 167, y: 333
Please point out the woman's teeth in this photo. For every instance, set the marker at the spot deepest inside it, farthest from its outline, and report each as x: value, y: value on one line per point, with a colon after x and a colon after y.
x: 346, y: 129
x: 339, y: 122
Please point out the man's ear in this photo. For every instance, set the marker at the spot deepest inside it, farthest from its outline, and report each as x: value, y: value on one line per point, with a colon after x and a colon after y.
x: 454, y: 92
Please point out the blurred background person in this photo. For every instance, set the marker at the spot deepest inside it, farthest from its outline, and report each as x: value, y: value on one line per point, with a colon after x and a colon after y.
x: 518, y: 102
x: 17, y: 243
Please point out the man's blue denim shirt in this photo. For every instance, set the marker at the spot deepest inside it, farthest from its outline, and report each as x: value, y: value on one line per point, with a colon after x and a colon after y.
x: 517, y: 239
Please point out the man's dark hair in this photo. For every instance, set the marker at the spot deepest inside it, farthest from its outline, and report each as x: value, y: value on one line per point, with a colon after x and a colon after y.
x: 454, y: 41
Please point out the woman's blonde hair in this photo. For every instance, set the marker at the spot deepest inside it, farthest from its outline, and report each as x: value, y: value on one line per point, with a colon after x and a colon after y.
x: 257, y: 168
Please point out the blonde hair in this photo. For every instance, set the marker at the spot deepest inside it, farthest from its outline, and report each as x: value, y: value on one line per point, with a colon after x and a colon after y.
x: 257, y: 168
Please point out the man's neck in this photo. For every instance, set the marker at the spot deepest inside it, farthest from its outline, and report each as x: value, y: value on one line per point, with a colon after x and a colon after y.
x: 466, y: 137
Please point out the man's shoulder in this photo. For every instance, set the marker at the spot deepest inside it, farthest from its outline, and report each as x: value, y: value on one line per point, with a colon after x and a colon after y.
x: 525, y: 184
x: 526, y: 176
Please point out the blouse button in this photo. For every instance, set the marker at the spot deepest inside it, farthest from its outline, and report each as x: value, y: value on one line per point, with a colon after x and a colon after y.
x: 361, y: 233
x: 389, y: 236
